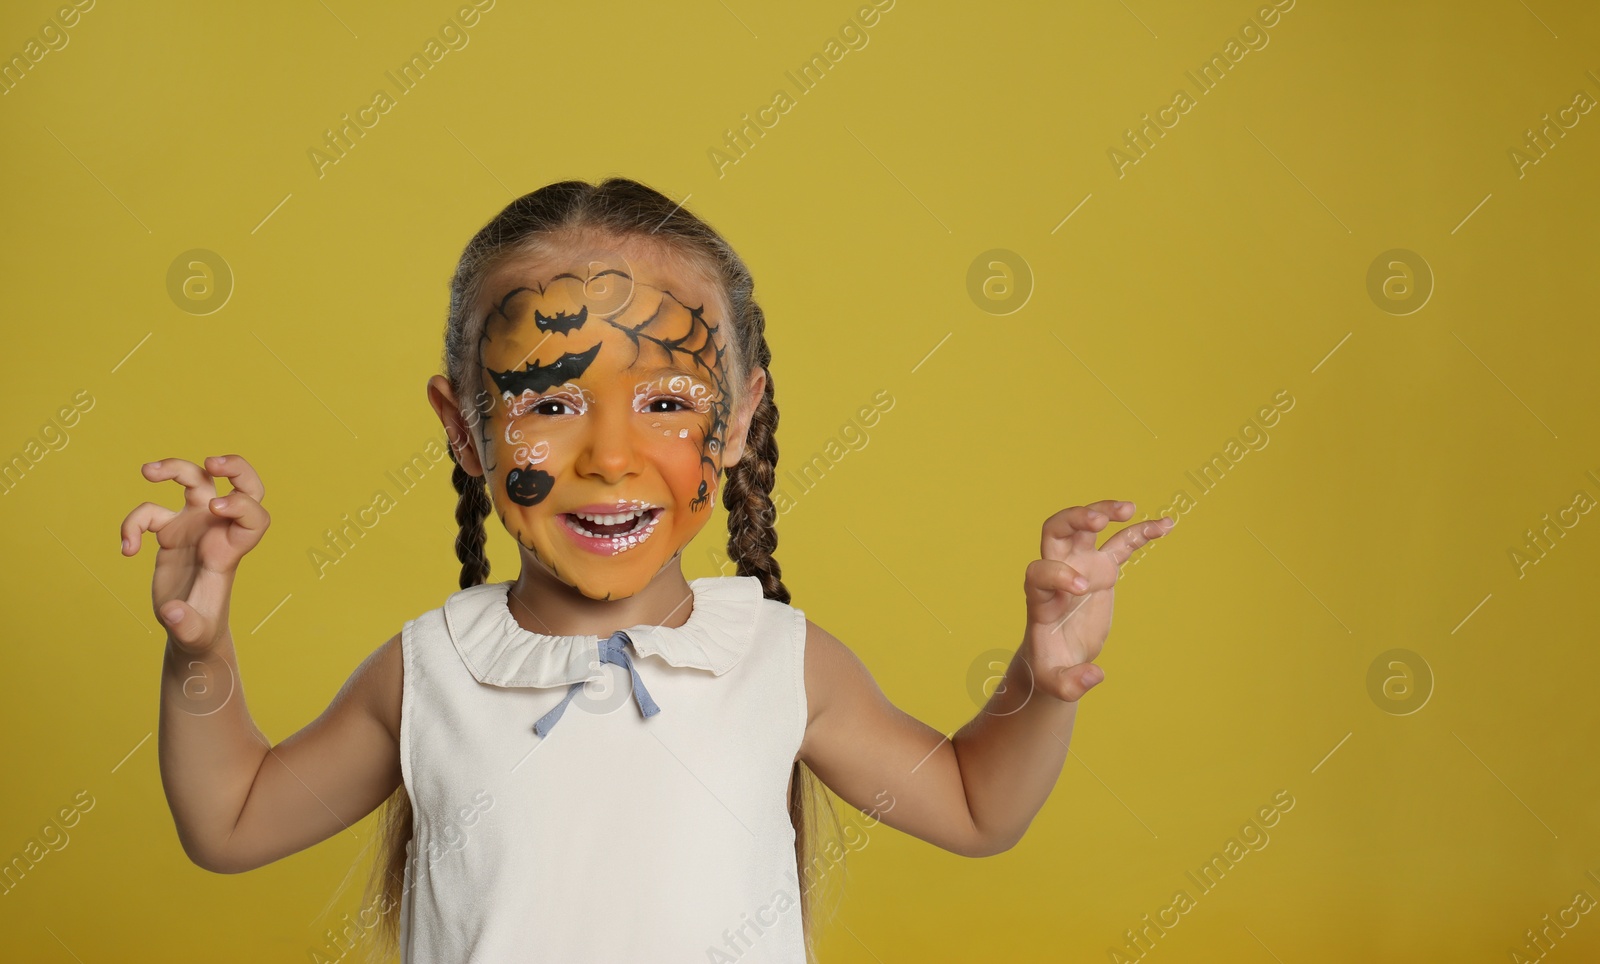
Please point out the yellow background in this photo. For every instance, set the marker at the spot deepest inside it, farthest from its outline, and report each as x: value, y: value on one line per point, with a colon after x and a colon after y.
x: 1174, y: 303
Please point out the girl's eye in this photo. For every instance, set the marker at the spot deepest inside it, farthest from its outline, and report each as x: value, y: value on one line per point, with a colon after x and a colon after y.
x: 541, y: 408
x: 682, y: 406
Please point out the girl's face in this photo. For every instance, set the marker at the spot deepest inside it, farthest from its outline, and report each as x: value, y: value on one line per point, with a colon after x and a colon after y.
x: 603, y: 420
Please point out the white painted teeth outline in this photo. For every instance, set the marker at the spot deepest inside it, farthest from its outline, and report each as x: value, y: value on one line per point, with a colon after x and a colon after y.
x: 622, y: 541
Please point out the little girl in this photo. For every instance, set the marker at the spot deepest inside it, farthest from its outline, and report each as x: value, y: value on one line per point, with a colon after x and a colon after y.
x: 602, y: 760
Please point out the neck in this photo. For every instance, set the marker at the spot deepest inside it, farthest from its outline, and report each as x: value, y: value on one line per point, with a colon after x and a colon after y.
x: 541, y: 603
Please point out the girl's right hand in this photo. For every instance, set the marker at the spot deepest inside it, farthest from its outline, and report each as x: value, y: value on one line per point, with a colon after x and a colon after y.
x: 199, y: 546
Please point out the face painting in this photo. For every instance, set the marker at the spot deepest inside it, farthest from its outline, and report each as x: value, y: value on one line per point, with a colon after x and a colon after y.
x: 602, y: 450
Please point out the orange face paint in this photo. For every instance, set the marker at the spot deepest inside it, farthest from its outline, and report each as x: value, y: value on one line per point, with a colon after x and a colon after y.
x: 610, y: 389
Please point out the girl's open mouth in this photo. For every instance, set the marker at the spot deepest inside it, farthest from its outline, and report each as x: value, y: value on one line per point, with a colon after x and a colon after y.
x: 610, y: 534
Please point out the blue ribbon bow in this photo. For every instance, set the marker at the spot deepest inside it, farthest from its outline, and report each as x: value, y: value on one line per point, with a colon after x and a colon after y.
x: 612, y: 650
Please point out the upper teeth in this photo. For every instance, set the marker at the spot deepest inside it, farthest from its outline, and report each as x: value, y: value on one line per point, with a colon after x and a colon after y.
x: 609, y: 520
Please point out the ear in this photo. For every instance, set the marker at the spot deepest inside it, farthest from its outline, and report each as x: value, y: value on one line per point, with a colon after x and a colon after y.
x: 734, y: 448
x: 456, y: 428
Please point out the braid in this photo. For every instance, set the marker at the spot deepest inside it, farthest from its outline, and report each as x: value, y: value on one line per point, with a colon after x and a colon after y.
x: 752, y: 531
x: 472, y: 507
x: 752, y: 539
x: 543, y: 221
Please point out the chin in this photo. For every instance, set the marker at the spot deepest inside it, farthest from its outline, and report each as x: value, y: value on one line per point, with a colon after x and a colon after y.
x: 608, y: 590
x: 599, y: 577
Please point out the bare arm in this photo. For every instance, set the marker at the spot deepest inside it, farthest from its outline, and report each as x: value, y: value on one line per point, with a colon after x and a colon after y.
x: 237, y: 801
x: 865, y: 749
x: 976, y: 792
x: 1012, y: 752
x: 239, y: 805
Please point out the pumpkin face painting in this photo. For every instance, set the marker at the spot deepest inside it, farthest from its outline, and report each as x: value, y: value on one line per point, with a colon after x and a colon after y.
x: 611, y: 403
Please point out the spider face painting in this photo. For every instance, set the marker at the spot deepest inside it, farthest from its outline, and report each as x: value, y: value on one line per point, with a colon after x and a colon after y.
x: 606, y: 410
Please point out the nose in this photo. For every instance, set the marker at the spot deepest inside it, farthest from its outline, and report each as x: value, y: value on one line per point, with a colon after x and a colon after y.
x: 609, y: 450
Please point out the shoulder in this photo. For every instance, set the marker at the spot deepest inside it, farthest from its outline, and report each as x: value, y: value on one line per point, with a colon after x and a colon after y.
x: 834, y: 674
x: 378, y: 683
x: 828, y: 660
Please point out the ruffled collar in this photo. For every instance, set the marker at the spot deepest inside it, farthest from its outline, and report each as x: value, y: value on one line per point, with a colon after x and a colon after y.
x: 498, y: 651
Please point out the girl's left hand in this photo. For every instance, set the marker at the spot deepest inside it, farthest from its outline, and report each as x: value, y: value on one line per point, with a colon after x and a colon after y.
x: 1069, y: 593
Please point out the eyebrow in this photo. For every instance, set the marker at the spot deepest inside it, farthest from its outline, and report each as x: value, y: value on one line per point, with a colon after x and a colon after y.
x: 669, y: 370
x: 569, y: 367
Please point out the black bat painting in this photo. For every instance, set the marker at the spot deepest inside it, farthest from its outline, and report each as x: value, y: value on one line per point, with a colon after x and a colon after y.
x: 561, y: 323
x: 540, y: 377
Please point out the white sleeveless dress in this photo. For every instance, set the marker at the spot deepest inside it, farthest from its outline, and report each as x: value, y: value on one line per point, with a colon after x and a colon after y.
x: 618, y: 836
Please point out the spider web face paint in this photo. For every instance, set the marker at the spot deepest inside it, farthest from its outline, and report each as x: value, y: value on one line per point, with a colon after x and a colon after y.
x: 610, y: 388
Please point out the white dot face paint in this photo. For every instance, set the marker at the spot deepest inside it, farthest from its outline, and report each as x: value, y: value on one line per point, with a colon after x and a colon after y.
x: 586, y: 387
x: 689, y: 394
x: 616, y: 544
